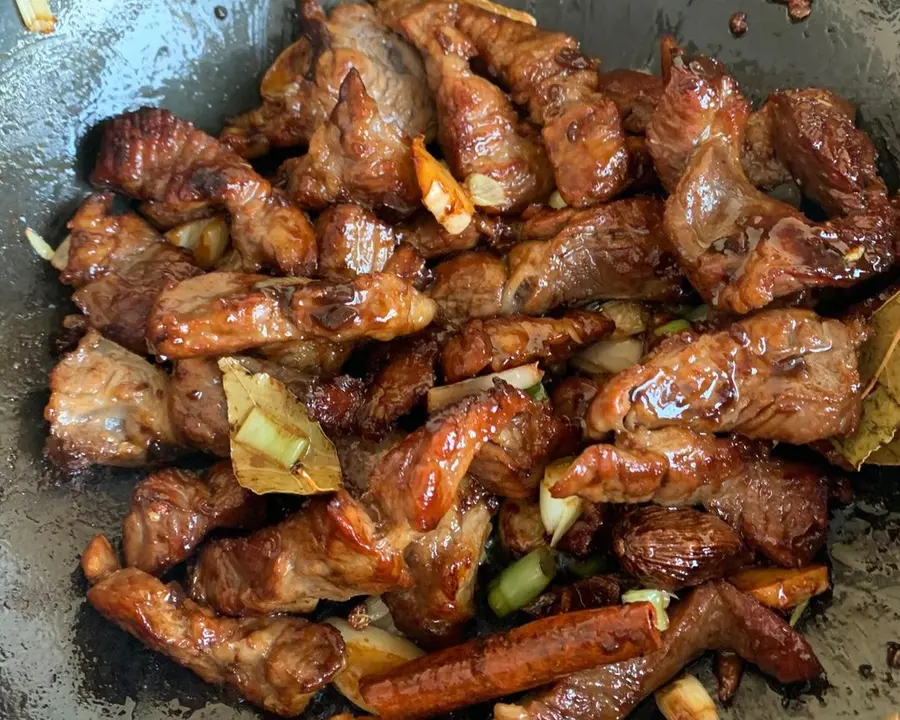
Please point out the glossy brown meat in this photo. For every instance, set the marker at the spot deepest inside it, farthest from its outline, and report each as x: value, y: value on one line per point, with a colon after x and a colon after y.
x: 675, y: 548
x: 355, y: 156
x: 317, y: 357
x: 99, y: 560
x: 740, y: 248
x: 301, y: 88
x: 714, y: 616
x: 502, y: 343
x: 700, y: 103
x: 593, y: 592
x: 200, y: 410
x: 469, y: 285
x: 220, y: 313
x: 581, y: 128
x: 513, y: 463
x: 443, y: 565
x: 832, y: 161
x: 512, y: 661
x: 276, y: 663
x: 153, y: 155
x: 520, y: 527
x: 352, y: 241
x: 761, y: 166
x: 119, y: 304
x: 399, y: 385
x: 108, y: 406
x: 173, y: 510
x: 478, y: 128
x: 331, y: 548
x: 197, y: 405
x: 430, y: 238
x: 588, y: 534
x: 729, y: 669
x: 780, y: 508
x: 616, y: 251
x: 785, y: 375
x: 118, y: 265
x: 588, y: 149
x: 101, y: 242
x: 635, y: 93
x: 417, y: 482
x: 571, y: 399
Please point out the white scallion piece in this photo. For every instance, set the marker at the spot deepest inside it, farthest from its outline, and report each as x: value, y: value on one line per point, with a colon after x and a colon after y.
x: 39, y: 245
x: 686, y: 699
x: 558, y: 514
x: 522, y: 377
x: 37, y: 16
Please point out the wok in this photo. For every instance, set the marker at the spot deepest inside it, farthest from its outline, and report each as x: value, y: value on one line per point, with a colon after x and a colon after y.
x: 58, y: 659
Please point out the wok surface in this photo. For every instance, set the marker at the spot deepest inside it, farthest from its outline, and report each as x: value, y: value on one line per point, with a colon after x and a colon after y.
x: 58, y: 658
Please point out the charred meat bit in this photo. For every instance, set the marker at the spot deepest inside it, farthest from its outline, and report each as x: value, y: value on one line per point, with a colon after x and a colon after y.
x: 478, y: 128
x: 151, y: 154
x: 221, y: 313
x: 798, y: 9
x: 671, y: 549
x: 593, y: 592
x: 301, y: 88
x: 714, y: 616
x: 172, y: 511
x: 502, y: 343
x: 728, y: 669
x: 355, y: 157
x: 785, y: 375
x: 277, y: 663
x: 109, y: 406
x: 780, y: 508
x: 520, y: 527
x: 737, y: 23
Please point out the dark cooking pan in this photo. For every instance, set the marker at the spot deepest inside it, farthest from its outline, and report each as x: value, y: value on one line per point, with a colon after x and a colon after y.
x: 202, y: 58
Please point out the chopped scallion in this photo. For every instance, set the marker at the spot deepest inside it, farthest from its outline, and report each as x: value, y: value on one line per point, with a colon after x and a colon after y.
x: 671, y: 328
x: 261, y: 433
x: 659, y: 599
x: 537, y: 392
x: 588, y: 567
x: 798, y: 612
x: 697, y: 314
x: 522, y: 581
